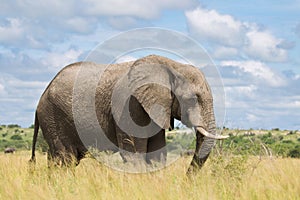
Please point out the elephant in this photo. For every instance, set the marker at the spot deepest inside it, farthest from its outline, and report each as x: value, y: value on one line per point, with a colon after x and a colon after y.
x: 134, y: 103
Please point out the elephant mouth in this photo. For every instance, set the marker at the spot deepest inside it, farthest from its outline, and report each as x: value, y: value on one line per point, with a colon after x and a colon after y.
x: 209, y: 135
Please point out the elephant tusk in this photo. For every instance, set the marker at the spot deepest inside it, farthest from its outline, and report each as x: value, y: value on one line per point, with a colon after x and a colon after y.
x: 207, y: 134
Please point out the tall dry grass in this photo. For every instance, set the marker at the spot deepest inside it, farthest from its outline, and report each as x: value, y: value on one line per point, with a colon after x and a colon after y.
x: 221, y: 178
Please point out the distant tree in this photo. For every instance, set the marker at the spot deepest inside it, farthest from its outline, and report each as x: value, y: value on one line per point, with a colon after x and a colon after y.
x: 13, y: 126
x: 32, y: 126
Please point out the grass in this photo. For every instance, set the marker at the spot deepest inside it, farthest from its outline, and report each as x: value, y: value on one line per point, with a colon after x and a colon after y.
x: 228, y: 177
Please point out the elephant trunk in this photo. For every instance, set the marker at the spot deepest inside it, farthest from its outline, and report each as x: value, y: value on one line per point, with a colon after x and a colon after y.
x: 205, y: 137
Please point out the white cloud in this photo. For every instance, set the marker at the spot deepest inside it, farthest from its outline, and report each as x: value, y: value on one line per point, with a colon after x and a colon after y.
x: 258, y: 70
x: 225, y: 52
x: 40, y: 9
x: 2, y: 89
x: 263, y: 45
x: 12, y: 32
x: 80, y: 24
x: 245, y: 91
x: 145, y: 9
x: 209, y: 24
x: 226, y: 31
x: 58, y: 60
x: 285, y: 102
x: 18, y: 99
x: 41, y: 24
x: 125, y: 58
x: 252, y: 117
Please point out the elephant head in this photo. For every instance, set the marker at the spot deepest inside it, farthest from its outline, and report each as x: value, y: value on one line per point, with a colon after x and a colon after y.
x: 167, y: 89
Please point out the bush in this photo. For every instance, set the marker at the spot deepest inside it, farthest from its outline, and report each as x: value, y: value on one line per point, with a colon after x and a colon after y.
x: 294, y: 153
x: 280, y: 137
x: 170, y: 137
x: 16, y: 137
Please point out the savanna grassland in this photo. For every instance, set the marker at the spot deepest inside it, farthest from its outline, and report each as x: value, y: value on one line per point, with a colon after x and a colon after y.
x: 227, y: 177
x: 249, y: 165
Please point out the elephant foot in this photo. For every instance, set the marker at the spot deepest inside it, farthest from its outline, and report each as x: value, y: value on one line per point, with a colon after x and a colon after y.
x: 62, y: 160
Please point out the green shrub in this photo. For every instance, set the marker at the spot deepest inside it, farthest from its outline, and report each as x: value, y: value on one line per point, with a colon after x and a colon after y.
x: 295, y: 152
x: 170, y: 137
x: 280, y: 137
x: 16, y: 137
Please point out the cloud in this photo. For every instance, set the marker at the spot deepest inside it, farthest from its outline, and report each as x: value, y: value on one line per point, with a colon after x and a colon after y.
x: 226, y: 31
x: 56, y: 60
x: 19, y: 98
x: 23, y: 65
x: 297, y: 30
x: 2, y: 89
x: 40, y: 25
x: 11, y: 31
x: 245, y: 91
x: 258, y: 70
x: 209, y: 24
x: 126, y: 58
x: 252, y: 117
x: 263, y: 45
x: 225, y: 52
x: 145, y: 9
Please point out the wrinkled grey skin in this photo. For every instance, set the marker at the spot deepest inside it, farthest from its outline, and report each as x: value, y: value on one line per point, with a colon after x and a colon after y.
x: 185, y: 95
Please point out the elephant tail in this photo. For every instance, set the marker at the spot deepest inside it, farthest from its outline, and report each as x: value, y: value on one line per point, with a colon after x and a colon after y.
x: 35, y: 134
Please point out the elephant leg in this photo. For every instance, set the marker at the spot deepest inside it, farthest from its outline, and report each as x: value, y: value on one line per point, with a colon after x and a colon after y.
x: 61, y: 136
x: 131, y: 148
x: 62, y: 158
x: 156, y: 149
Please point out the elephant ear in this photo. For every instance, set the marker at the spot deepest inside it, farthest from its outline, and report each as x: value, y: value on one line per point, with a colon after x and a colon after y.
x: 150, y: 84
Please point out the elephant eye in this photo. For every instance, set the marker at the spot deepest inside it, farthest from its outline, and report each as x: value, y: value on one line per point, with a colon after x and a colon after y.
x: 192, y: 101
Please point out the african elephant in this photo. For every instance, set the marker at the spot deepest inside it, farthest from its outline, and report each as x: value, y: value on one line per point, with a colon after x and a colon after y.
x: 134, y: 103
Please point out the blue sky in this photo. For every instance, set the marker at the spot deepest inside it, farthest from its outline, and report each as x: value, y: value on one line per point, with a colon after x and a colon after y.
x: 255, y: 45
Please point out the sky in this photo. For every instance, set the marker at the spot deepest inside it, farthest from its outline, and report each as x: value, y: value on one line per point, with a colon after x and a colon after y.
x: 255, y: 46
